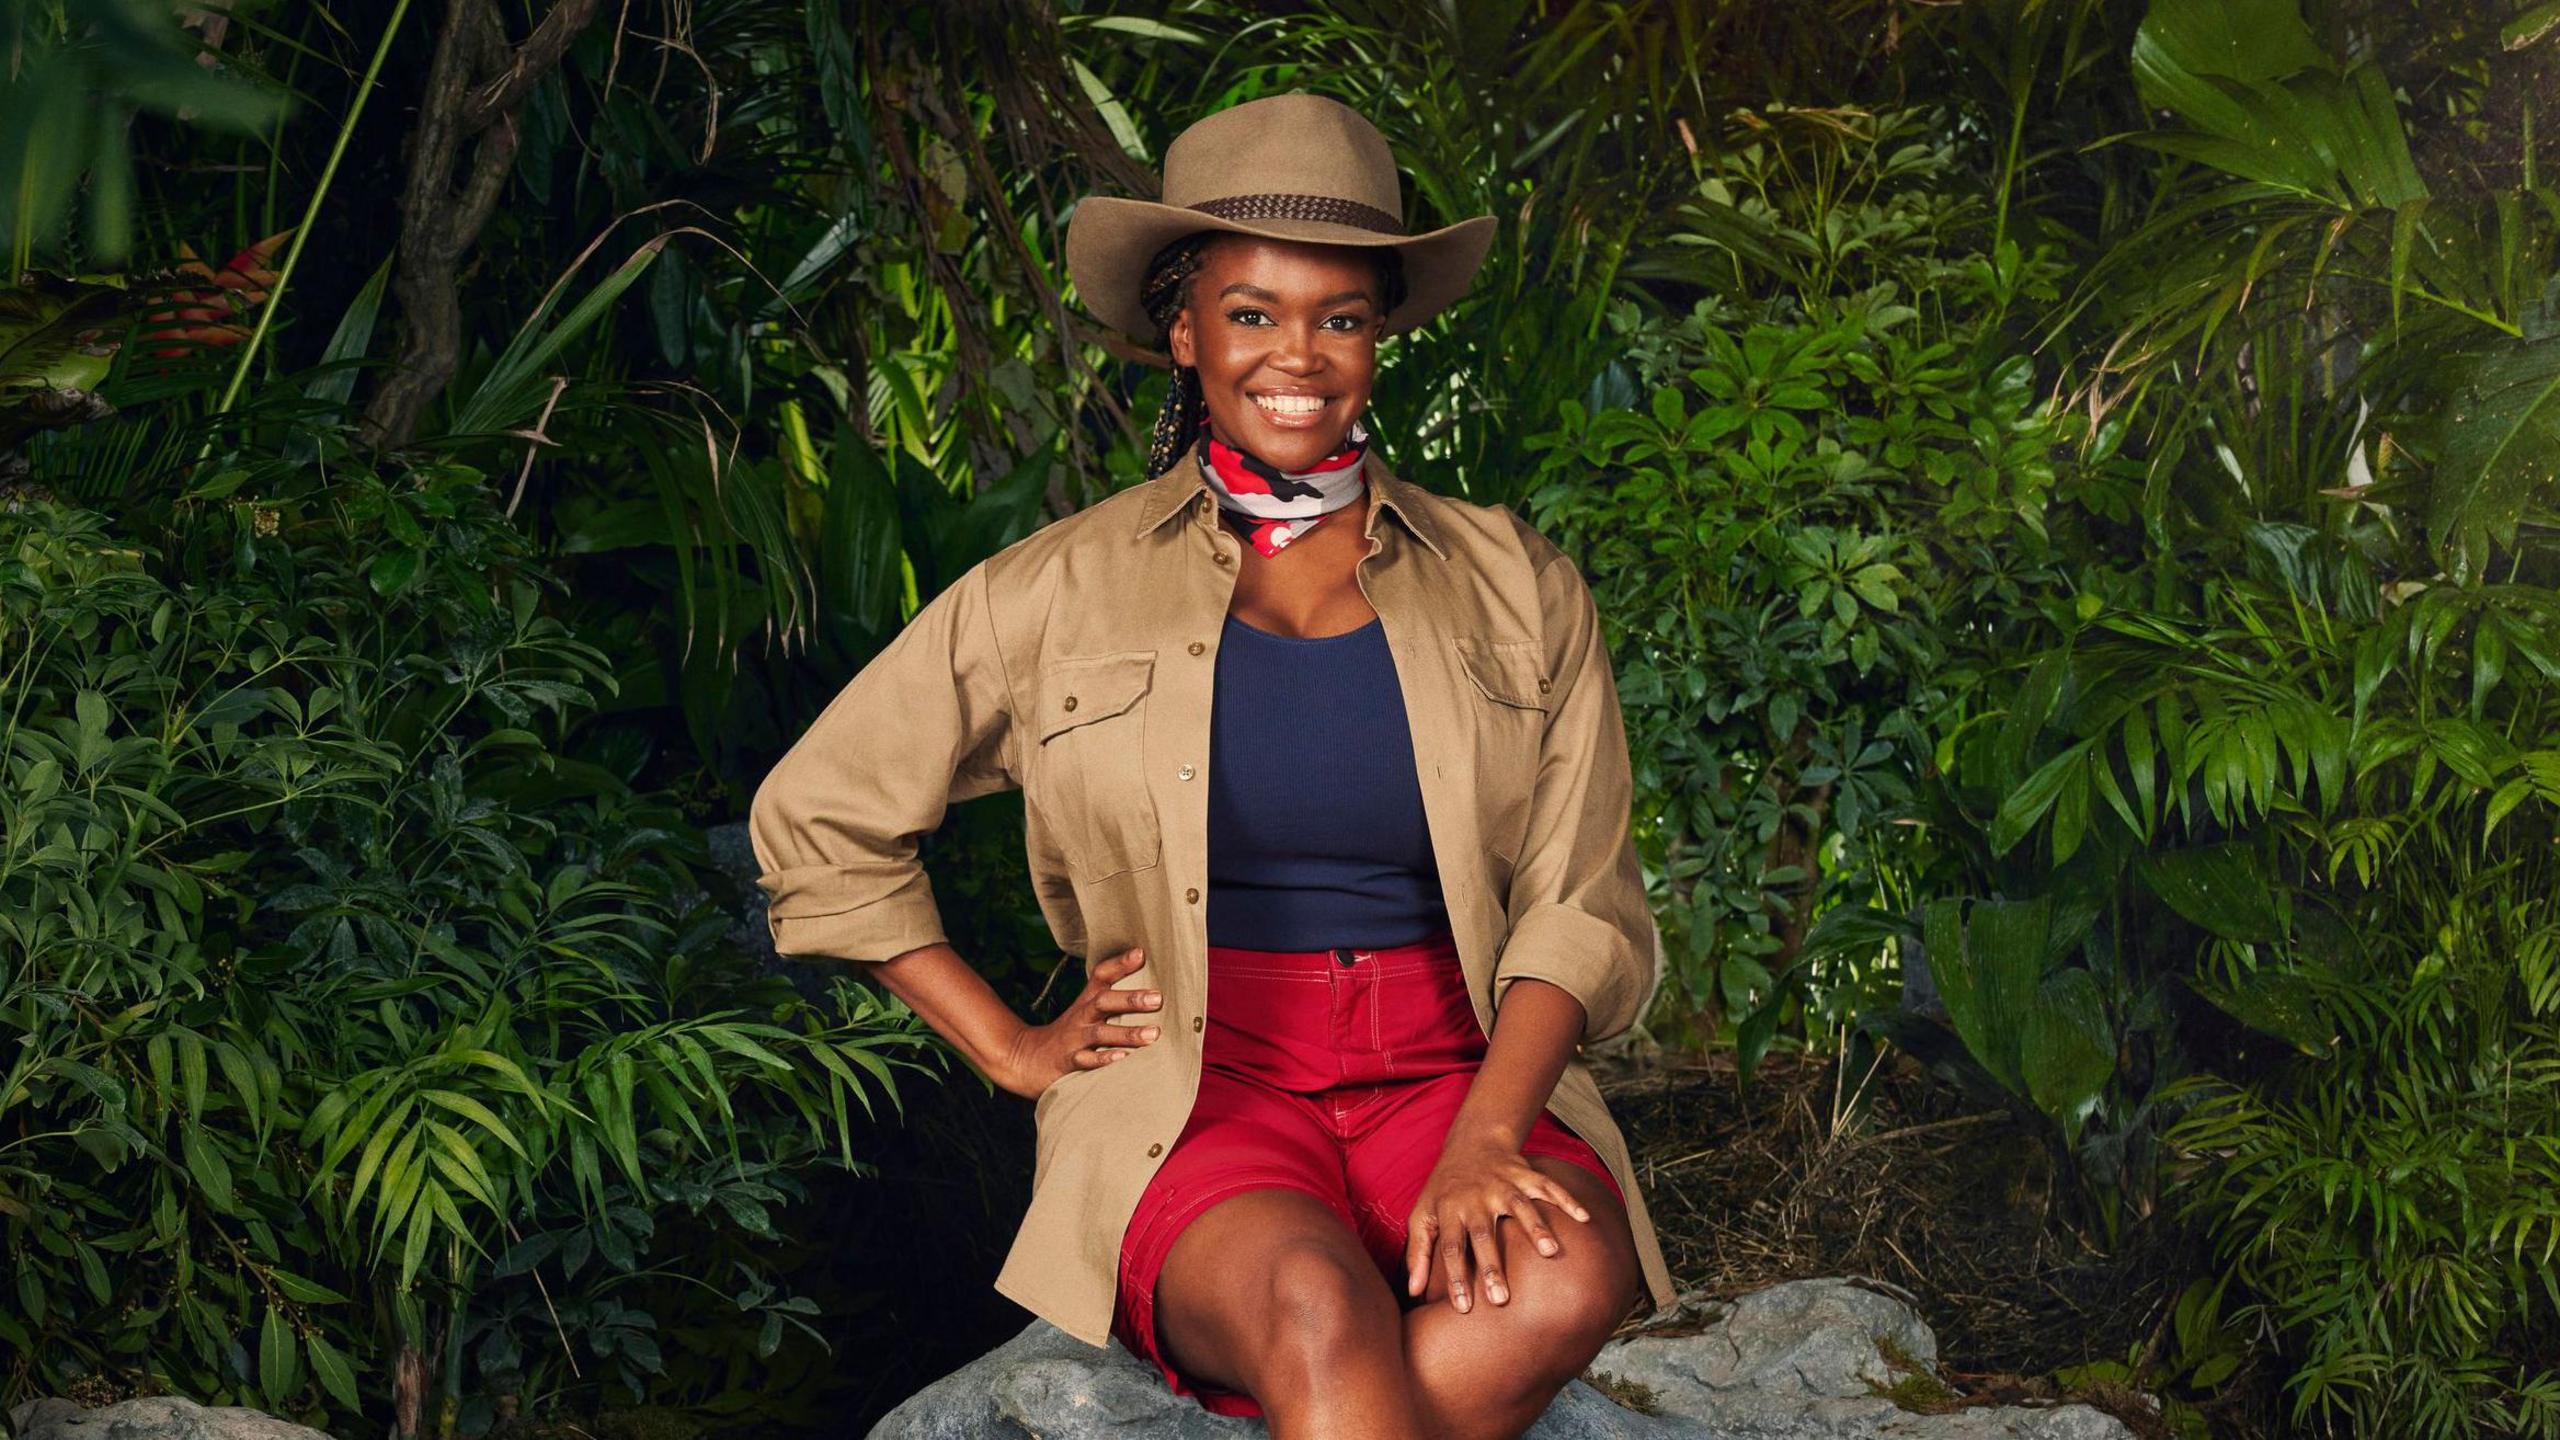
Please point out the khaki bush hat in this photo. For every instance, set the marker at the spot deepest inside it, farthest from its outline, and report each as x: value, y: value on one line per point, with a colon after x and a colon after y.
x: 1294, y: 166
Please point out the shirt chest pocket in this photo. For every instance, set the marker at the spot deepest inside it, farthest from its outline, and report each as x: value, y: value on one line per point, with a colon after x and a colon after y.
x: 1090, y: 778
x: 1507, y: 699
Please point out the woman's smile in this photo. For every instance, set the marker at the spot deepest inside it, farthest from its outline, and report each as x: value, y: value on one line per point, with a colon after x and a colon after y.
x: 1290, y: 410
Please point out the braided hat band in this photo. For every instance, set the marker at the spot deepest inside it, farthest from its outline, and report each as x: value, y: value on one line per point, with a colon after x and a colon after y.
x: 1323, y: 175
x: 1327, y: 209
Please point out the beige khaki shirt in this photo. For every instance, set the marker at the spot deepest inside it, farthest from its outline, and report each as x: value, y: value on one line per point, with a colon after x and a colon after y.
x: 1076, y: 664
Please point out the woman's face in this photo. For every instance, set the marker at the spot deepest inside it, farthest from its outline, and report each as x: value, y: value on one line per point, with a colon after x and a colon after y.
x: 1285, y: 337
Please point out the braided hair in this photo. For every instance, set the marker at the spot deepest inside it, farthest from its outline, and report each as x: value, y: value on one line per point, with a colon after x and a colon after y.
x: 1166, y: 289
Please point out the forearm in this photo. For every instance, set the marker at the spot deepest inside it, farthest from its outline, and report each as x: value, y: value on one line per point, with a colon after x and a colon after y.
x: 1534, y: 1034
x: 956, y: 1001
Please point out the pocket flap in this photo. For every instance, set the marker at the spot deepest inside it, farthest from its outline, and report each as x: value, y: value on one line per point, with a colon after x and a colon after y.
x: 1510, y: 671
x: 1093, y: 687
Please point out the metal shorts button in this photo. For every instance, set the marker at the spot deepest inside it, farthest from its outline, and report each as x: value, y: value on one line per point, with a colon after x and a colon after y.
x: 1191, y: 897
x: 1156, y: 1149
x: 1197, y: 647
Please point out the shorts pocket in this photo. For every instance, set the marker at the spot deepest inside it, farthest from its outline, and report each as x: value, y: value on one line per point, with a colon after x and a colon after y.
x: 1428, y: 1022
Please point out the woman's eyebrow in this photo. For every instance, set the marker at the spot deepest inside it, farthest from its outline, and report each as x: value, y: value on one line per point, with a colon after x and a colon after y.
x: 1256, y: 292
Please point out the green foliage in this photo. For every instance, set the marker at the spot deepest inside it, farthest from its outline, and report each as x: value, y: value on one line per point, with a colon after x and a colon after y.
x: 1786, y: 535
x: 2069, y: 488
x: 346, y: 1014
x: 78, y: 74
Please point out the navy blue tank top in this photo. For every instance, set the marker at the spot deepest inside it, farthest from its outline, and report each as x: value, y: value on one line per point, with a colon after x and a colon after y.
x: 1316, y: 831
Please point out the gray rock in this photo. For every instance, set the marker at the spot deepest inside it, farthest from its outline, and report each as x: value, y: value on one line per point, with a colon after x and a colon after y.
x: 1805, y: 1360
x: 160, y: 1417
x: 1799, y: 1361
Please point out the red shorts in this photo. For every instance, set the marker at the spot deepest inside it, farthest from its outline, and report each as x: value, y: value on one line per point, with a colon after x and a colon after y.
x: 1333, y: 1072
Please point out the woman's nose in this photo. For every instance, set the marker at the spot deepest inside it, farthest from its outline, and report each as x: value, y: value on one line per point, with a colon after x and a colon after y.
x: 1295, y: 350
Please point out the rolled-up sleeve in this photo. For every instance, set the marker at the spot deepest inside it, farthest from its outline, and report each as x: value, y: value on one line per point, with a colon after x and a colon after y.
x: 837, y: 822
x: 1577, y: 909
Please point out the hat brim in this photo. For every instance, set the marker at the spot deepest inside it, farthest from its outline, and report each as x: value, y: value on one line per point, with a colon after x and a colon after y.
x: 1111, y: 239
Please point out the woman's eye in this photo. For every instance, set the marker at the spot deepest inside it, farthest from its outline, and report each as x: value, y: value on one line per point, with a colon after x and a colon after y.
x: 1239, y: 316
x: 1350, y: 323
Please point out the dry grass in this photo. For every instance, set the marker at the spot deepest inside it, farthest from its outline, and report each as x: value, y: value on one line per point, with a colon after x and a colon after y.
x: 1796, y: 1179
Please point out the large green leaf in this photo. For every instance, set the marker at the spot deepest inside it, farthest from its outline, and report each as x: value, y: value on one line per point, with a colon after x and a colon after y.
x: 2500, y: 452
x: 2278, y: 1003
x: 2220, y: 888
x: 2265, y: 103
x: 1986, y: 971
x: 2067, y: 1049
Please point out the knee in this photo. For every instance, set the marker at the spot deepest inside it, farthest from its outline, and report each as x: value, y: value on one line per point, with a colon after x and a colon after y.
x: 1325, y: 1301
x: 1569, y: 1314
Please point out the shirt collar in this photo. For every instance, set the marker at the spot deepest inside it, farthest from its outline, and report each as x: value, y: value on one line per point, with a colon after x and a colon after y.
x: 1174, y: 491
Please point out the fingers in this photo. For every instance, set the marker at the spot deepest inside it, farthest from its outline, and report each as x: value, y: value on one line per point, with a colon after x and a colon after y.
x: 1488, y: 1257
x: 1114, y: 967
x: 1104, y: 1034
x: 1546, y: 1187
x: 1123, y: 1002
x: 1534, y: 1220
x: 1418, y: 1234
x: 1453, y: 1263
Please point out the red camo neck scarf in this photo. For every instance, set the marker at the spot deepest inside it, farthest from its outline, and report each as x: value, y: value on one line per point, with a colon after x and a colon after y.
x: 1271, y: 506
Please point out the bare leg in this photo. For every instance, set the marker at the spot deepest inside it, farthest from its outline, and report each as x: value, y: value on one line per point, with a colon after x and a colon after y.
x: 1270, y: 1293
x: 1488, y: 1374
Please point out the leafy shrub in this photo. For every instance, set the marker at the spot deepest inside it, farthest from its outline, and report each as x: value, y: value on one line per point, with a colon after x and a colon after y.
x: 1791, y: 533
x: 356, y: 1023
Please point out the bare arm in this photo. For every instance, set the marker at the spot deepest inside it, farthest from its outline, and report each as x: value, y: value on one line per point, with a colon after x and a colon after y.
x: 1016, y: 1056
x: 953, y: 998
x: 1534, y: 1036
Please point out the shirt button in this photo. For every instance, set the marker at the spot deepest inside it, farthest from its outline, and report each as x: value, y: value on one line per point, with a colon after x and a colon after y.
x: 1071, y: 703
x: 1197, y: 647
x: 1542, y: 684
x: 1184, y: 772
x: 1156, y: 1149
x: 1221, y: 557
x: 1191, y: 897
x: 1195, y: 1024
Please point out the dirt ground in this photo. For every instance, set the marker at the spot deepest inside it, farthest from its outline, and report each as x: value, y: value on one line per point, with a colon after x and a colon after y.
x: 1750, y: 1188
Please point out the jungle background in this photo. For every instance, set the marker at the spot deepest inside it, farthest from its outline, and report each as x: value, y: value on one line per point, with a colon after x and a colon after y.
x: 2070, y: 485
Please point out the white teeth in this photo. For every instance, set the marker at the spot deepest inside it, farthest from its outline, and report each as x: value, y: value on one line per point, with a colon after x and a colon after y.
x: 1290, y: 404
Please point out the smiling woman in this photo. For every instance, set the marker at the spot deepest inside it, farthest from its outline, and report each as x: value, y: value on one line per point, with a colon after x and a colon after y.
x: 1325, y: 775
x: 1274, y: 342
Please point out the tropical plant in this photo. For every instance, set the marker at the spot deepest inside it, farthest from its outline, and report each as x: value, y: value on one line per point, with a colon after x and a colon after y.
x: 1821, y: 481
x: 359, y: 1037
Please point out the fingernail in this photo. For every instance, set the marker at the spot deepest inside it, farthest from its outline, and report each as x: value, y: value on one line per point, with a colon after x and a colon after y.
x: 1547, y: 1247
x: 1149, y: 1032
x: 1137, y: 954
x: 1155, y: 997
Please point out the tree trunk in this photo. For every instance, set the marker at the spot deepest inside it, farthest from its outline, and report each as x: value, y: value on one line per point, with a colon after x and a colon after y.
x: 474, y: 86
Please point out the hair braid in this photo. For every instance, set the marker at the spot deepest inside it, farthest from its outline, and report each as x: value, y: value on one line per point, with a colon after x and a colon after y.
x: 1162, y: 294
